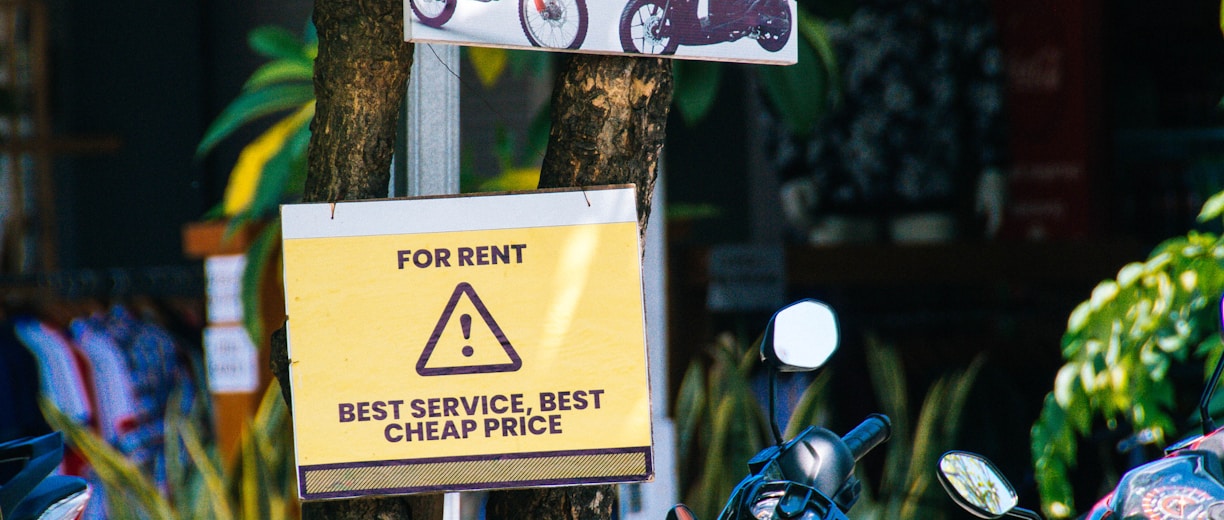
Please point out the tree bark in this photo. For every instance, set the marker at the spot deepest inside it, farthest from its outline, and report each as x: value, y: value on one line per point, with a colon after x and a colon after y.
x: 609, y: 117
x: 360, y: 79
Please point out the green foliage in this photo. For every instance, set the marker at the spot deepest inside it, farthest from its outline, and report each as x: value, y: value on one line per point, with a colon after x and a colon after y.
x: 272, y: 167
x: 259, y: 484
x: 721, y: 425
x: 907, y: 487
x: 799, y: 93
x: 696, y: 88
x: 1119, y: 347
x: 802, y: 93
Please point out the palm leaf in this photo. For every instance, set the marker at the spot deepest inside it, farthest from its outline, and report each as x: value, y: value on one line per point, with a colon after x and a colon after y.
x: 276, y: 42
x: 252, y: 105
x: 261, y: 252
x: 286, y: 167
x: 281, y: 71
x: 129, y: 489
x: 213, y: 477
x: 690, y: 406
x: 888, y: 380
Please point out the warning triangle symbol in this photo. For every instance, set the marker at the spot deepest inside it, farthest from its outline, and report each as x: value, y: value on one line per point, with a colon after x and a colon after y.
x: 463, y: 290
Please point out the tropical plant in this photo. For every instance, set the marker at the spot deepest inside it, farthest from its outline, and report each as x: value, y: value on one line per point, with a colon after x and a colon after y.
x: 1119, y: 348
x: 722, y: 424
x: 906, y: 488
x: 800, y: 94
x: 272, y: 167
x: 258, y: 484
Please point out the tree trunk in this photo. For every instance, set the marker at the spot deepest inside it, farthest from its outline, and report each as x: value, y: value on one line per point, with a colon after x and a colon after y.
x: 360, y: 80
x: 609, y: 117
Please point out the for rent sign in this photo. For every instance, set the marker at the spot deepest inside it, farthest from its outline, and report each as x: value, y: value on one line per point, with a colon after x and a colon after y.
x: 467, y: 342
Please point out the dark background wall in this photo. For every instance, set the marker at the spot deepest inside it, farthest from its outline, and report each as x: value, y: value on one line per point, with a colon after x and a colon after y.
x: 152, y: 74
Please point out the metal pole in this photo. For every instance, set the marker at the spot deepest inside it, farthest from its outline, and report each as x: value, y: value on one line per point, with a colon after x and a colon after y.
x: 427, y: 160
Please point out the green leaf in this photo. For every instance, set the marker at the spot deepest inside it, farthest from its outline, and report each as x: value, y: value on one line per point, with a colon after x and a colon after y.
x: 214, y: 478
x: 272, y: 41
x: 798, y: 92
x: 124, y: 482
x: 696, y: 88
x: 690, y: 406
x: 286, y: 168
x: 813, y: 31
x: 1213, y: 208
x: 264, y: 250
x: 889, y: 382
x: 281, y: 71
x: 252, y: 105
x: 531, y: 63
x: 488, y: 62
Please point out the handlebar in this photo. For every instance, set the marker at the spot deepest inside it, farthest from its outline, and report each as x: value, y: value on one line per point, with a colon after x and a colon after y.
x: 873, y: 431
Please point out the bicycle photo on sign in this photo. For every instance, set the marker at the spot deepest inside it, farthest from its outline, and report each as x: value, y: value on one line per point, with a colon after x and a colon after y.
x: 749, y: 31
x: 559, y: 24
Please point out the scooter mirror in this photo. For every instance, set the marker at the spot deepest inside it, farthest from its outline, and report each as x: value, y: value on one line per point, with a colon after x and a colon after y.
x: 800, y: 337
x: 976, y: 485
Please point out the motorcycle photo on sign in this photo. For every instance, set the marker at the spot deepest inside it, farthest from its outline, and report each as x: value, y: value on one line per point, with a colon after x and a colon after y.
x: 750, y: 31
x: 662, y: 26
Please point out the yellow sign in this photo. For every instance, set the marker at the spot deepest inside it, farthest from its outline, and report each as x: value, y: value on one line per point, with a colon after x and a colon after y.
x: 442, y: 344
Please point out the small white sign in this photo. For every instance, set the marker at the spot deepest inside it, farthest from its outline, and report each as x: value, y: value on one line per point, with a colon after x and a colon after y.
x: 224, y: 289
x: 760, y: 31
x: 233, y: 360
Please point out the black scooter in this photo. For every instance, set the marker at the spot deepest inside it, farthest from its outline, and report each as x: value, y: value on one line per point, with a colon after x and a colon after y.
x: 810, y: 477
x: 662, y: 26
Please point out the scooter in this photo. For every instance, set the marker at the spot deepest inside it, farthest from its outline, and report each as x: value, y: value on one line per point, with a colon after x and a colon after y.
x: 811, y: 476
x: 662, y: 26
x: 29, y: 489
x: 1187, y: 483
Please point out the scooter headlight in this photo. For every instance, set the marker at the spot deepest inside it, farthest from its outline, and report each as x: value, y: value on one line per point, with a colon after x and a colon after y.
x: 775, y: 500
x: 765, y: 506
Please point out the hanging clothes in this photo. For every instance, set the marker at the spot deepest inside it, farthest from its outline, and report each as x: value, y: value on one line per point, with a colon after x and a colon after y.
x: 66, y: 377
x: 116, y: 410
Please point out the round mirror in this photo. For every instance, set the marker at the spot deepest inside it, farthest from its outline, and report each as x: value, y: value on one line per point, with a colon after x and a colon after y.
x: 976, y: 485
x: 800, y: 337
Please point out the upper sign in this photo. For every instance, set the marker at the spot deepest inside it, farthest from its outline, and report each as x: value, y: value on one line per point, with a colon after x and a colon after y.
x: 763, y: 31
x: 442, y: 344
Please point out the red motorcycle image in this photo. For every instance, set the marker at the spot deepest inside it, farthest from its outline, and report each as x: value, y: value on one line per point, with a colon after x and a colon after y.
x: 662, y: 26
x: 560, y: 24
x: 1187, y: 483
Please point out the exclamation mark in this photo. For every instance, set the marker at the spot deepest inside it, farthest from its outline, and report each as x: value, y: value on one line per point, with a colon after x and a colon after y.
x: 465, y: 321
